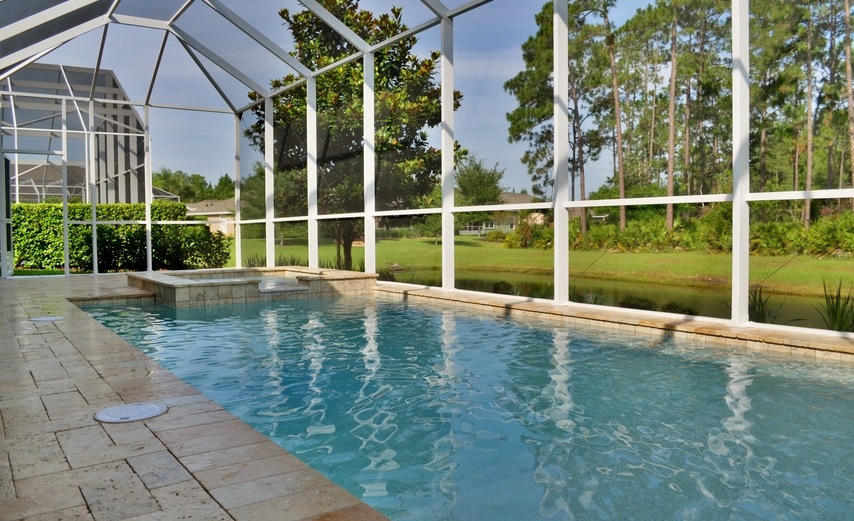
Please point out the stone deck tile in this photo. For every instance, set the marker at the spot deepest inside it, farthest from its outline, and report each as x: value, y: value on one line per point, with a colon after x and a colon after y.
x: 248, y: 471
x: 58, y: 463
x: 312, y: 503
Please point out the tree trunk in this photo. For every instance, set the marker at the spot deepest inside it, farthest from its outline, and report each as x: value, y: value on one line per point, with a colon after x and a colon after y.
x: 686, y: 154
x: 809, y: 129
x: 671, y: 112
x: 576, y: 121
x: 849, y: 92
x: 832, y: 67
x: 618, y: 124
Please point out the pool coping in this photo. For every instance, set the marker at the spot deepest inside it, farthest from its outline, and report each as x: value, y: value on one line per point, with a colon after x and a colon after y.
x: 700, y: 331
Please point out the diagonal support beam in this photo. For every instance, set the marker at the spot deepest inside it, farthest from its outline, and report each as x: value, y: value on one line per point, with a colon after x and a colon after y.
x: 256, y: 35
x: 337, y: 25
x: 222, y: 64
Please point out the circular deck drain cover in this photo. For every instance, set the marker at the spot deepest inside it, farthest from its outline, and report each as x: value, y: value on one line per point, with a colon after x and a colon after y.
x: 45, y: 319
x: 130, y: 412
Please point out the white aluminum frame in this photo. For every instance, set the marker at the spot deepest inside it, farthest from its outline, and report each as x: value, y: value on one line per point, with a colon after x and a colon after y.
x: 740, y: 197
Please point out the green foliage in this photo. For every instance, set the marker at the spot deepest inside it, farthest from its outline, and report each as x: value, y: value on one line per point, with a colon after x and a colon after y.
x: 530, y: 235
x: 290, y: 260
x: 37, y: 235
x: 254, y: 260
x: 759, y: 308
x: 502, y: 287
x: 478, y: 184
x: 672, y: 306
x: 192, y: 188
x: 637, y: 302
x: 407, y: 104
x: 832, y: 235
x: 838, y: 310
x: 778, y: 238
x: 587, y: 296
x: 496, y: 236
x: 338, y: 264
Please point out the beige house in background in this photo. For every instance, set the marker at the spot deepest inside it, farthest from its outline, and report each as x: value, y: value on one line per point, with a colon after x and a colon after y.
x: 219, y: 214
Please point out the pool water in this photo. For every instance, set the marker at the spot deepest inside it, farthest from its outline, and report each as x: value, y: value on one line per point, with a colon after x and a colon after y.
x: 429, y: 414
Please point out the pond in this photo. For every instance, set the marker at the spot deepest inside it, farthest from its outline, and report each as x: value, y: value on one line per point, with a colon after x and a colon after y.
x: 710, y: 302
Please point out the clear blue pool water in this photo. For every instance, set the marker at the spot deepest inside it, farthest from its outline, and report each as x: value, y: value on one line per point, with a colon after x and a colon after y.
x: 443, y: 414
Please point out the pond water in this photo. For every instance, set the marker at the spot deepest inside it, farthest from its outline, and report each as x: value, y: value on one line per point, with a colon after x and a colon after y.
x: 427, y: 413
x: 710, y: 302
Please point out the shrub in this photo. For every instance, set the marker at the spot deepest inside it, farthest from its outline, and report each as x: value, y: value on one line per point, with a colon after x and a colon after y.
x: 838, y: 311
x: 496, y: 236
x: 502, y: 287
x: 671, y: 306
x: 528, y: 235
x: 254, y: 260
x: 637, y: 302
x: 833, y: 235
x: 37, y: 236
x: 759, y: 308
x: 586, y: 296
x: 290, y: 260
x: 778, y: 238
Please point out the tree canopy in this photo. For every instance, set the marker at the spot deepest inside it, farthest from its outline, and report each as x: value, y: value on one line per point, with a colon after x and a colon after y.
x: 407, y: 102
x: 674, y: 99
x: 192, y: 188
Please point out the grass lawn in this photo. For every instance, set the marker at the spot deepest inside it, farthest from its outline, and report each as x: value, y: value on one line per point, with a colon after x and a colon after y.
x: 799, y: 275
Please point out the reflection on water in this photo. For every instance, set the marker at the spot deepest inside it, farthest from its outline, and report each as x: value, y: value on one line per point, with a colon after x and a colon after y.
x: 429, y: 414
x: 553, y: 457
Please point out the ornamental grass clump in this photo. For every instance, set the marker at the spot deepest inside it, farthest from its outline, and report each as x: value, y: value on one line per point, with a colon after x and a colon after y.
x: 838, y: 310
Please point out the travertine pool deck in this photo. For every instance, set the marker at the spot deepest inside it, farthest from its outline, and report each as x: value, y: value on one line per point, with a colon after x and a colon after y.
x: 197, y: 461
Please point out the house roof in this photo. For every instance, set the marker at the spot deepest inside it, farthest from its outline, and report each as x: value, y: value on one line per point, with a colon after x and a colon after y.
x: 514, y: 198
x: 211, y: 207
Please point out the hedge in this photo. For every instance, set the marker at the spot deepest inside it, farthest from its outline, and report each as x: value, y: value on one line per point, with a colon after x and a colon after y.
x: 37, y: 238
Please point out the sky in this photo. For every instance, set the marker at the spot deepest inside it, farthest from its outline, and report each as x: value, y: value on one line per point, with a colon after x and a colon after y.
x: 487, y: 53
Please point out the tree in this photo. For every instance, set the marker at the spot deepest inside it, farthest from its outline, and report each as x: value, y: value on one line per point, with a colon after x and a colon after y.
x: 191, y: 188
x: 610, y: 44
x: 407, y: 103
x: 478, y: 184
x: 224, y: 188
x: 532, y: 120
x: 849, y: 90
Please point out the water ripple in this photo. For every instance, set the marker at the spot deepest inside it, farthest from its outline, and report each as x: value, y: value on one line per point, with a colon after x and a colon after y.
x: 431, y: 414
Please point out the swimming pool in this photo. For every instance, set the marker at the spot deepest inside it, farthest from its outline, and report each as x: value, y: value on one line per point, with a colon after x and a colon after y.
x: 427, y: 413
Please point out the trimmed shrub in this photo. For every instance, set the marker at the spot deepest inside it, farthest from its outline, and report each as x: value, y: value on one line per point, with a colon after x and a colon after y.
x: 37, y: 236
